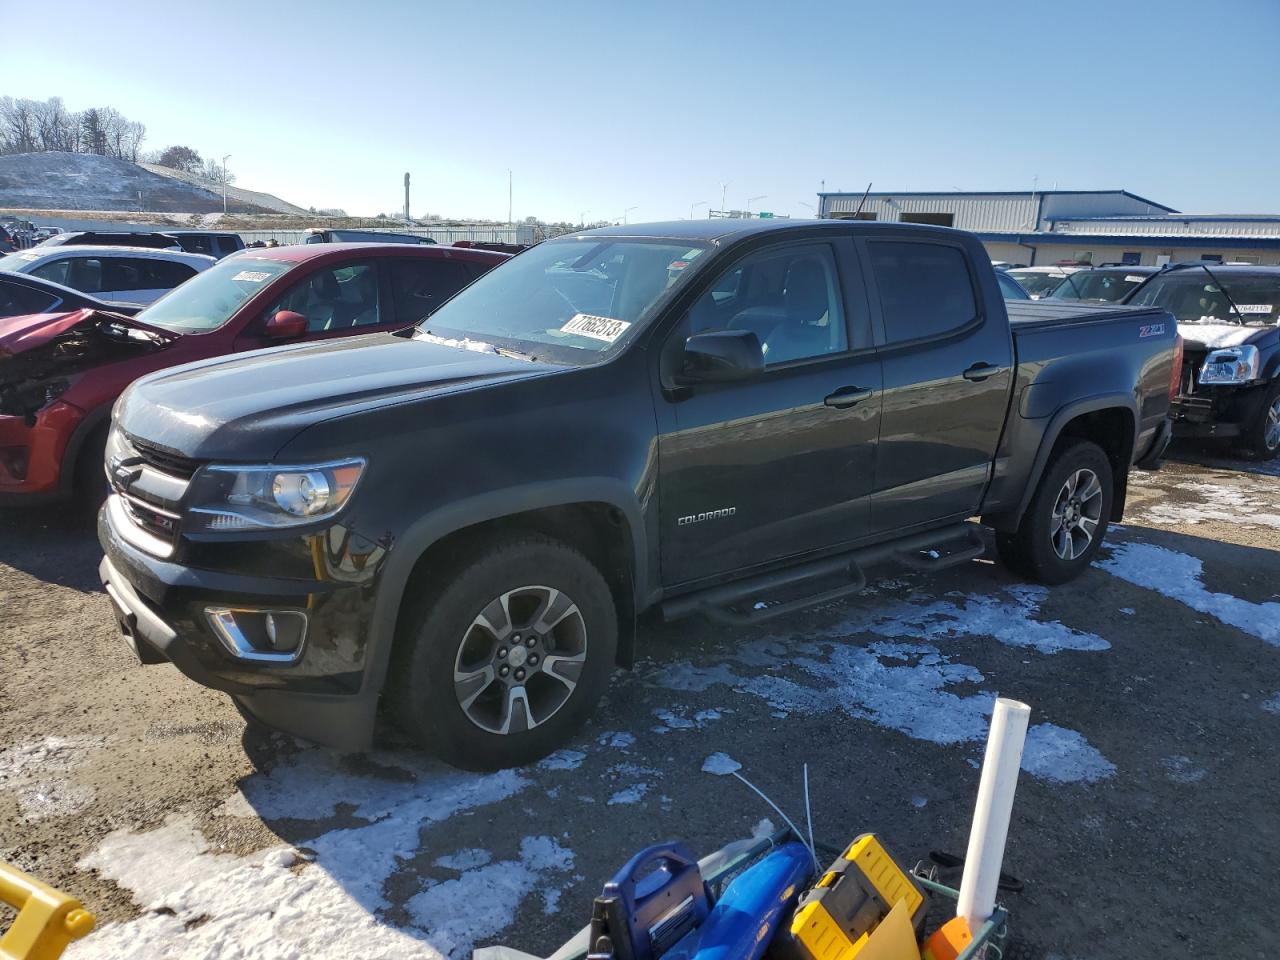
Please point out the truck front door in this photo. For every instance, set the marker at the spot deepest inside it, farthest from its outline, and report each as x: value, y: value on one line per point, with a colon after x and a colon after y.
x: 947, y: 357
x: 780, y: 464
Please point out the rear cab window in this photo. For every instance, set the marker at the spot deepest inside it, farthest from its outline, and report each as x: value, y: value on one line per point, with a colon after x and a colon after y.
x: 926, y: 289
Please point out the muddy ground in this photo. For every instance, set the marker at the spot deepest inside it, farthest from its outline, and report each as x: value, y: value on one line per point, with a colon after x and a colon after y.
x: 1146, y: 820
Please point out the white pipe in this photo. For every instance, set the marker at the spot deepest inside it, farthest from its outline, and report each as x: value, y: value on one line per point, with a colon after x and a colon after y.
x: 991, y: 813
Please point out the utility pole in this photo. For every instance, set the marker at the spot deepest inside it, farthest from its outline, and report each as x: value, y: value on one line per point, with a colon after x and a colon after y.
x: 722, y: 189
x: 224, y: 183
x: 509, y: 220
x: 406, y: 197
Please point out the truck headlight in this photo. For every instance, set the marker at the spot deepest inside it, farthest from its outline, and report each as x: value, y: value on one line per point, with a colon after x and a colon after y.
x: 1231, y: 365
x: 228, y: 497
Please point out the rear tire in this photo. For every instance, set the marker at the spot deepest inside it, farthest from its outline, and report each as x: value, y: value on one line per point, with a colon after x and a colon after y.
x: 1261, y: 438
x: 1062, y: 530
x: 506, y: 654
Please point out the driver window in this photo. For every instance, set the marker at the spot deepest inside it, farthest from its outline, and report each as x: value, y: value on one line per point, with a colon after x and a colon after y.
x: 336, y: 298
x: 789, y: 297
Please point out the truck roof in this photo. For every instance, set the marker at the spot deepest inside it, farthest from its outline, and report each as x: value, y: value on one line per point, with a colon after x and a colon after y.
x: 725, y: 228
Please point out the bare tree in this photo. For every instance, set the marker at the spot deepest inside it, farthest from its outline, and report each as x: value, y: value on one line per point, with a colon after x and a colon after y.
x: 18, y: 126
x: 55, y: 125
x: 181, y: 158
x: 216, y: 173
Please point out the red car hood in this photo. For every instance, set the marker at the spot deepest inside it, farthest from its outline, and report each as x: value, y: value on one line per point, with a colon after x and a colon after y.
x: 20, y: 334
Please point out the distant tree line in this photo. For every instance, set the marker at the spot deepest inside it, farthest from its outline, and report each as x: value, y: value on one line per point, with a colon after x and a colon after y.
x: 32, y: 126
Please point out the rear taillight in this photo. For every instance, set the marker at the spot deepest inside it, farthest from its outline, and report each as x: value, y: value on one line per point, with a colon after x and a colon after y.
x: 1175, y: 375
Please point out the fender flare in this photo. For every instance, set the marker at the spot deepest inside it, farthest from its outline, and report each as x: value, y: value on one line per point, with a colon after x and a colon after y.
x: 433, y: 527
x: 1061, y: 417
x: 92, y: 421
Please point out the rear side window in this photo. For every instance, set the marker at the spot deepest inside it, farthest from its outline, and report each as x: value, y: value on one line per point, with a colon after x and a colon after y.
x: 129, y: 273
x: 925, y: 288
x: 198, y: 243
x: 16, y: 299
x: 419, y: 286
x: 228, y: 245
x: 79, y: 273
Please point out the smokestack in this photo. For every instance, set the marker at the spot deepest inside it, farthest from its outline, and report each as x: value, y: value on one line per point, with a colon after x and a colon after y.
x: 406, y: 197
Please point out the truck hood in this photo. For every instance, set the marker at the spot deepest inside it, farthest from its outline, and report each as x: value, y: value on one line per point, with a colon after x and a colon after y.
x: 1213, y: 336
x: 246, y: 407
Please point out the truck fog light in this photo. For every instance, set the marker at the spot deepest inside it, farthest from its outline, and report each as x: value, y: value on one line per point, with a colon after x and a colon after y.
x: 274, y: 636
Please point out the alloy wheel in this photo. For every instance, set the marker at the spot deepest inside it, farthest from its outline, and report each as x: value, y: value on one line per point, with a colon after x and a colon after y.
x: 1271, y: 429
x: 1076, y: 514
x: 520, y: 660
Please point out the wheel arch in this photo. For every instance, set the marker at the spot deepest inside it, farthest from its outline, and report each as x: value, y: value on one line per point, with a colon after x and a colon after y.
x: 601, y: 518
x: 1109, y: 421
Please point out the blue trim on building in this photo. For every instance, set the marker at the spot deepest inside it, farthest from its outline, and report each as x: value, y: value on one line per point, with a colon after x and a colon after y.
x: 997, y: 193
x: 1108, y: 240
x: 1186, y: 218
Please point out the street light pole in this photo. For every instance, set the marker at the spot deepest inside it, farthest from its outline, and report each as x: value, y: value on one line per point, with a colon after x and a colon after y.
x: 224, y: 183
x: 723, y: 185
x: 582, y: 218
x: 509, y: 196
x: 751, y: 200
x: 626, y: 212
x: 700, y: 203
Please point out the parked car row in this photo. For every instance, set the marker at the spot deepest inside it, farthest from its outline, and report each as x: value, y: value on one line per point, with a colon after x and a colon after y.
x: 60, y: 372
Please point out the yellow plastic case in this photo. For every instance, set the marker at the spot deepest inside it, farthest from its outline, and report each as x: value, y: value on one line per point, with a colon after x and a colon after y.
x: 837, y: 917
x: 47, y: 920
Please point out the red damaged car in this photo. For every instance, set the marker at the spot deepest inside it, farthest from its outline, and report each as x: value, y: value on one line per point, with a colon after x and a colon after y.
x: 60, y: 373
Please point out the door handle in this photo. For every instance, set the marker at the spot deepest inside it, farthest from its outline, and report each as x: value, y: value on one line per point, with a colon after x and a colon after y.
x: 848, y: 397
x: 980, y: 371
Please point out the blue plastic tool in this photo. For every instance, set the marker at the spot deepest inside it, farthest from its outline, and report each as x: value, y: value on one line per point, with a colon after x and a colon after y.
x: 649, y: 906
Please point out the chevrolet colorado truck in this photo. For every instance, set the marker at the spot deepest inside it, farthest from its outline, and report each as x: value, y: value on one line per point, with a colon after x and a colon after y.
x: 465, y: 518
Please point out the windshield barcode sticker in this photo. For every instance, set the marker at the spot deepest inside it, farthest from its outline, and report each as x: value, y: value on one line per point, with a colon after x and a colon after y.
x: 1134, y: 278
x: 1257, y: 308
x: 251, y: 276
x: 597, y: 328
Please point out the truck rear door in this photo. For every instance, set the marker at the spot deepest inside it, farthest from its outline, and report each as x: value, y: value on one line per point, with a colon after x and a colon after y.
x: 780, y: 464
x: 947, y: 358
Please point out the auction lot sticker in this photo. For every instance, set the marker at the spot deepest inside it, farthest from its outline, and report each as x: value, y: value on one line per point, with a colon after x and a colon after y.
x: 597, y: 328
x: 251, y: 276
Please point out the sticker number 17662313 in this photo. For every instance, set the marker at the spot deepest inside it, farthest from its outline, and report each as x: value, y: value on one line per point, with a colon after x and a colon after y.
x: 597, y: 328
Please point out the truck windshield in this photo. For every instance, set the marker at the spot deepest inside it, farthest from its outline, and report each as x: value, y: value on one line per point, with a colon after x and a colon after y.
x: 1108, y: 286
x: 1194, y: 298
x: 570, y: 300
x: 207, y: 300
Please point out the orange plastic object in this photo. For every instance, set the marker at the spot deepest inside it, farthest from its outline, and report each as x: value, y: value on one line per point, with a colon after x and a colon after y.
x: 948, y: 941
x: 47, y: 920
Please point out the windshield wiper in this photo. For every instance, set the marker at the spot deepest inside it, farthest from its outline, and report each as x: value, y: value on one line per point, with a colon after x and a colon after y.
x: 1239, y: 316
x: 1072, y: 280
x: 515, y: 354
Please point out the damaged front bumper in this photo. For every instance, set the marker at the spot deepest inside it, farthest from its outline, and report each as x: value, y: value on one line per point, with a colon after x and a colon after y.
x: 1216, y: 412
x: 33, y: 451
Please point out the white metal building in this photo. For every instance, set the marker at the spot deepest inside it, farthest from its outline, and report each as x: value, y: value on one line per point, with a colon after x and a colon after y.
x: 1093, y: 226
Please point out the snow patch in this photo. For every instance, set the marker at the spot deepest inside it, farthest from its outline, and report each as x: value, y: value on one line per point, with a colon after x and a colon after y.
x: 721, y: 764
x: 1213, y: 502
x: 200, y: 903
x: 36, y: 773
x: 483, y: 902
x: 1059, y: 755
x: 617, y: 740
x: 632, y: 794
x: 1272, y: 704
x: 1183, y: 770
x: 563, y: 760
x: 1178, y: 576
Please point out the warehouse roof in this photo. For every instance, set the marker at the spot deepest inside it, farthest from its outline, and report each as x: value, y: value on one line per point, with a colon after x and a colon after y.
x: 995, y: 193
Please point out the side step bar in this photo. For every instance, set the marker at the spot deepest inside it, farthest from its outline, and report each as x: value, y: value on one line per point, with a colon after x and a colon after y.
x: 932, y: 550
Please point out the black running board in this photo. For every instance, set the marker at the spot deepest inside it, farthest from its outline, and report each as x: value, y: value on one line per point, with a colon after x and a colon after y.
x: 932, y: 550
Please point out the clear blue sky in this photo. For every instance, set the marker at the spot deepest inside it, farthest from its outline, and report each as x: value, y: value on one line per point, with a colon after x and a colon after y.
x: 600, y: 106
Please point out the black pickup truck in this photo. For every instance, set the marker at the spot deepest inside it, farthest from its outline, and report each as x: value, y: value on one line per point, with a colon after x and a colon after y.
x: 465, y: 519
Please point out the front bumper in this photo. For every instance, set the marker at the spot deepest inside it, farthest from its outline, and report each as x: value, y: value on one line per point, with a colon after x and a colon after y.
x: 31, y: 455
x: 160, y: 605
x: 1216, y: 412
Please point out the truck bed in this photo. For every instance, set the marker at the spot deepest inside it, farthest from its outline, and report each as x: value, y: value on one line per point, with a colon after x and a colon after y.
x: 1036, y: 314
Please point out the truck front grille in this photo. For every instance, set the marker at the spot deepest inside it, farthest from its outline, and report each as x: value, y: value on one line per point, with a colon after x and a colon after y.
x: 150, y: 485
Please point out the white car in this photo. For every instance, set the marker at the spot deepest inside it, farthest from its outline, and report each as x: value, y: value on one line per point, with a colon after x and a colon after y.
x: 1041, y: 281
x: 125, y: 274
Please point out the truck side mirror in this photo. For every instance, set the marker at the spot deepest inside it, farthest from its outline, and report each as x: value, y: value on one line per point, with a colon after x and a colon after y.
x: 720, y: 356
x: 284, y: 325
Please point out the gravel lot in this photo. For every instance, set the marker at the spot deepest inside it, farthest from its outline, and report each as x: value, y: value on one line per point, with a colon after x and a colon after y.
x: 1145, y: 824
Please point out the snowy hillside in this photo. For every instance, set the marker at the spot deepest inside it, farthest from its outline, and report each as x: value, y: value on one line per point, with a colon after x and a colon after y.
x: 84, y: 181
x: 251, y: 198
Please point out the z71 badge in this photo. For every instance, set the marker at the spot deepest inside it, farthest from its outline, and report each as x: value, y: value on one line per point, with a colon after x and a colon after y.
x: 1150, y: 330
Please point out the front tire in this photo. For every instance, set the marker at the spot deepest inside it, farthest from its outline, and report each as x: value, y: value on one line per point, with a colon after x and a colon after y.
x: 508, y: 656
x: 1262, y: 437
x: 1062, y: 530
